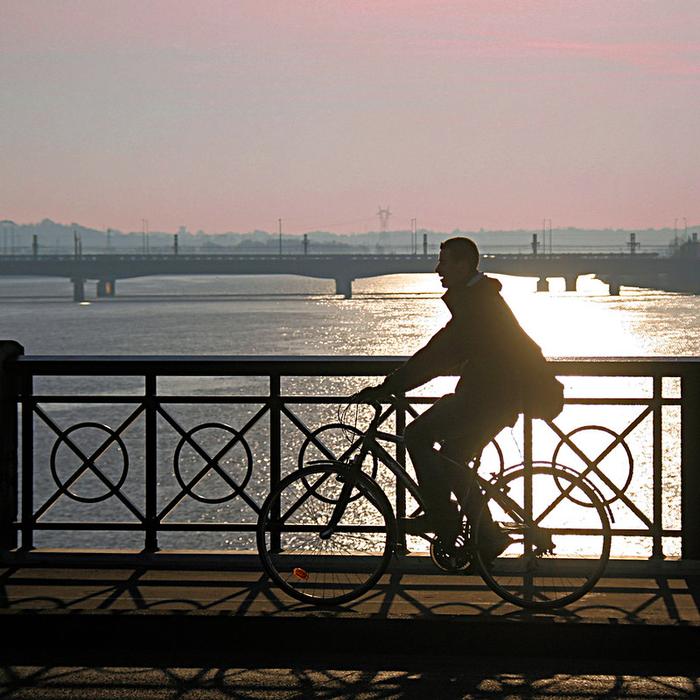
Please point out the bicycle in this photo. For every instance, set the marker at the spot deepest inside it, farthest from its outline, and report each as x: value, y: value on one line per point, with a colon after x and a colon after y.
x: 327, y: 533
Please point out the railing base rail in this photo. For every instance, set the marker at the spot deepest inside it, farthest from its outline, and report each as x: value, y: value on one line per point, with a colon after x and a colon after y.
x: 225, y: 561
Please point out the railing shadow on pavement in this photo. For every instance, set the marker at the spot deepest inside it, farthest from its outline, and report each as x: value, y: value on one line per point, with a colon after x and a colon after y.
x: 639, y: 600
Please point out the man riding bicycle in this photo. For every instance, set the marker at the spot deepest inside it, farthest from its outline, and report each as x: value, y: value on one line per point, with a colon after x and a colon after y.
x: 496, y: 362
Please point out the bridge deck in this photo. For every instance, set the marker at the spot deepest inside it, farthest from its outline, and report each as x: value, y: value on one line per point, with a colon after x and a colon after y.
x: 134, y: 613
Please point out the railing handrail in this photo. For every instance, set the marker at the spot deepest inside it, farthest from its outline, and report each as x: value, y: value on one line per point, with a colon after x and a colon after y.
x: 314, y: 365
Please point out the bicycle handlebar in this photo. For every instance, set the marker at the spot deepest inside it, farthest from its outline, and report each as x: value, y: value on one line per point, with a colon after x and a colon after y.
x: 374, y: 403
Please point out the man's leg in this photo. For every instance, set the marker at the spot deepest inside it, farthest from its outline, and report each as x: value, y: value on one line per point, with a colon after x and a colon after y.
x: 475, y: 428
x: 420, y: 438
x: 477, y: 434
x: 462, y: 477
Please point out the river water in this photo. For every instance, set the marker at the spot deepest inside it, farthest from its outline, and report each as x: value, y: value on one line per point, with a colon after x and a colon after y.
x: 392, y: 315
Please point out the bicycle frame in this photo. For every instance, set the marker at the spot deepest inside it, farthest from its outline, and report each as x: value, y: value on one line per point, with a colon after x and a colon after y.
x: 369, y: 444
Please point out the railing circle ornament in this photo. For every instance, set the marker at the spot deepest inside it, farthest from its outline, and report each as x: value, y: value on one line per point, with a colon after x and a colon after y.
x: 63, y: 440
x: 235, y: 485
x: 338, y: 440
x: 610, y: 483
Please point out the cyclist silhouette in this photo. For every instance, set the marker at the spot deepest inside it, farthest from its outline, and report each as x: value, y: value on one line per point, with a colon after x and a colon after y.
x: 497, y: 363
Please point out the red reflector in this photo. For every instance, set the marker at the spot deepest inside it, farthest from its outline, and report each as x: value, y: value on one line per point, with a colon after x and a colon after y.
x: 301, y: 574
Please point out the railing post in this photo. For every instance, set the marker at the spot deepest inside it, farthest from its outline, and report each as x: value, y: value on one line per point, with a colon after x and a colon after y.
x: 527, y: 464
x: 657, y: 551
x: 151, y: 466
x: 275, y: 451
x: 9, y: 351
x: 400, y: 489
x: 26, y: 390
x: 690, y: 466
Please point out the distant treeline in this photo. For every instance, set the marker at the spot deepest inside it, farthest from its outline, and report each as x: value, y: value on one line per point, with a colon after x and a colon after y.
x: 55, y: 237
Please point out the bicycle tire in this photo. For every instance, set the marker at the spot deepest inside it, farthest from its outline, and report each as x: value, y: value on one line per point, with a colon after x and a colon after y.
x: 325, y: 571
x: 576, y: 524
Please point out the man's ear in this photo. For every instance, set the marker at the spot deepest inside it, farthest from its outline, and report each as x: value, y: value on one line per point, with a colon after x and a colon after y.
x: 465, y: 268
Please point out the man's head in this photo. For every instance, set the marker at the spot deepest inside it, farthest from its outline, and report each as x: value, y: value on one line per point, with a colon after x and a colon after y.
x: 458, y: 261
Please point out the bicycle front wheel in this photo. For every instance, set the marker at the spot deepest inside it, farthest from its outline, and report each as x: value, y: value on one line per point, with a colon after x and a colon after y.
x: 315, y: 563
x: 560, y: 538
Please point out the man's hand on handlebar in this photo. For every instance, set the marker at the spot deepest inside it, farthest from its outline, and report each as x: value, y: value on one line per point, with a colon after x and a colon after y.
x: 371, y: 394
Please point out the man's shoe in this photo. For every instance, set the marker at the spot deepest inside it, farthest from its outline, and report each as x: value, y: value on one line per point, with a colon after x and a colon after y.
x: 494, y: 543
x: 446, y: 525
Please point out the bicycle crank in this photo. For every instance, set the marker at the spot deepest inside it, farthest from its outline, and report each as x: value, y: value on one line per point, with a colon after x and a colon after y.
x: 452, y: 558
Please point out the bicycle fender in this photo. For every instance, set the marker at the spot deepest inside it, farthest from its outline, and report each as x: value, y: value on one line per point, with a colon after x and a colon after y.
x: 326, y: 463
x: 591, y: 485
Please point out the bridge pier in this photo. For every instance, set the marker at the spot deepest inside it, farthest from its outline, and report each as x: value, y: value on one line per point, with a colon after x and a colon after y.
x: 78, y: 289
x: 570, y: 282
x: 542, y: 284
x: 614, y: 287
x: 106, y: 288
x: 343, y: 285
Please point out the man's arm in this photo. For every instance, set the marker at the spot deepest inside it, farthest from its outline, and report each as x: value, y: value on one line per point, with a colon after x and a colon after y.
x: 443, y: 353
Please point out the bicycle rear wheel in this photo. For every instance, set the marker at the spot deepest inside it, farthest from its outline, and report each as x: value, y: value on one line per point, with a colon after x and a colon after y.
x: 560, y: 536
x: 307, y: 561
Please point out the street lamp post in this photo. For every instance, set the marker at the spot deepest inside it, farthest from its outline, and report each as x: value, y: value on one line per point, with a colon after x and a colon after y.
x: 546, y: 222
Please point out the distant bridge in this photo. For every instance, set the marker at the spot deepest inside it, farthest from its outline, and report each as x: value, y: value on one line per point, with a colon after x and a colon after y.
x: 634, y: 269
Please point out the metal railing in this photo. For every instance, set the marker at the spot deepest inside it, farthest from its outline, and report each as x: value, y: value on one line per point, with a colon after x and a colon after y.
x: 122, y: 445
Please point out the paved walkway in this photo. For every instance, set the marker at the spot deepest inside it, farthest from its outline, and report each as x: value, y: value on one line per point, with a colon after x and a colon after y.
x: 120, y: 614
x: 480, y: 678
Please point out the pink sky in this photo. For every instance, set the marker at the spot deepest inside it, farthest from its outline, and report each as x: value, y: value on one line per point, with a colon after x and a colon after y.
x: 227, y: 115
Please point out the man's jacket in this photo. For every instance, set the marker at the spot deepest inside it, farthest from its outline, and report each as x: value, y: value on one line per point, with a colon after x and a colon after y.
x: 483, y: 344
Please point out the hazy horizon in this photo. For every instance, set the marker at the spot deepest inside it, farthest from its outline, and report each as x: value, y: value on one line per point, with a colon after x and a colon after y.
x: 681, y: 229
x: 227, y: 116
